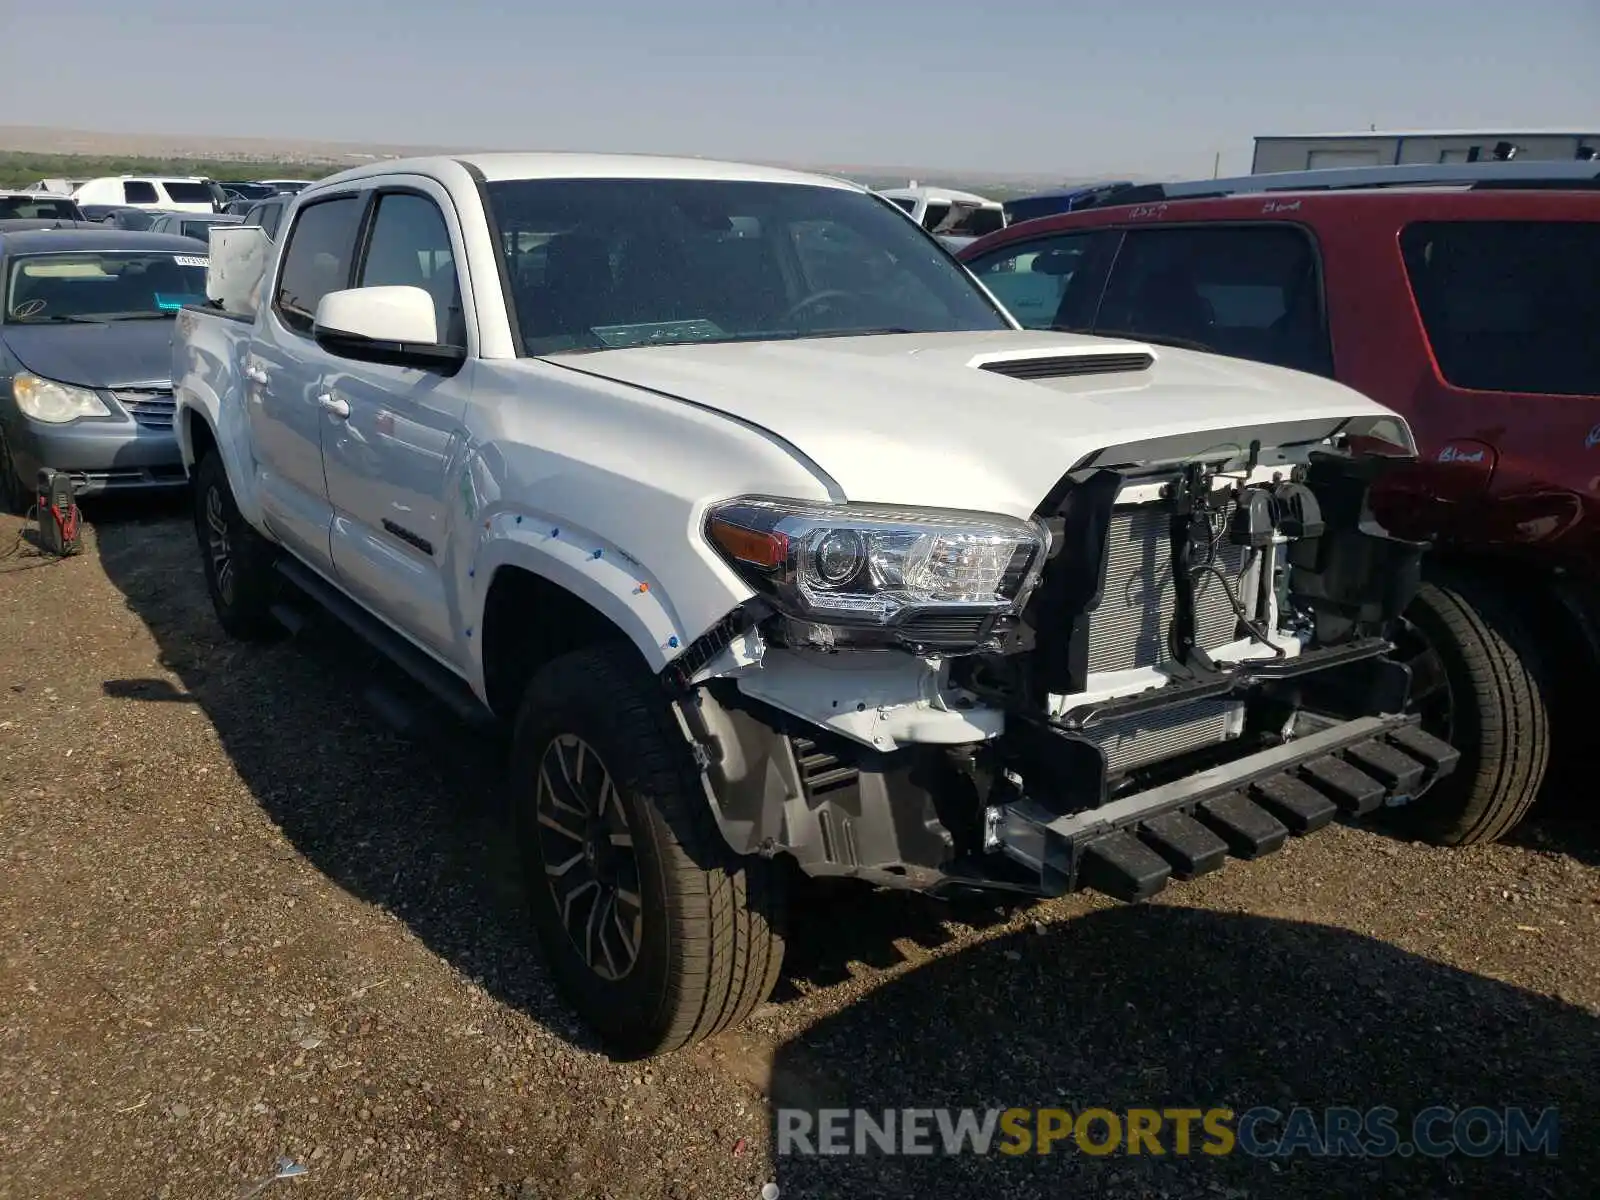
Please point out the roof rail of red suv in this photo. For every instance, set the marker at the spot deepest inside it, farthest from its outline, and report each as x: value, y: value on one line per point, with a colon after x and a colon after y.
x: 1579, y: 173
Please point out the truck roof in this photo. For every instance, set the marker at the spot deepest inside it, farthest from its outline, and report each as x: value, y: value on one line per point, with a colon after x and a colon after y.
x: 496, y: 167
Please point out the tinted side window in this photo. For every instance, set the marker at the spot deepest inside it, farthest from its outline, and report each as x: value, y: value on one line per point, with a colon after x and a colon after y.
x: 317, y: 260
x: 410, y: 244
x: 139, y: 191
x: 1032, y: 279
x: 265, y: 215
x: 1510, y: 306
x: 190, y: 193
x: 1248, y: 291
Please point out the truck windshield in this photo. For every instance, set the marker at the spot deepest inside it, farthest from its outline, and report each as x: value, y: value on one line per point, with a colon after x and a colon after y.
x: 596, y: 264
x: 42, y: 289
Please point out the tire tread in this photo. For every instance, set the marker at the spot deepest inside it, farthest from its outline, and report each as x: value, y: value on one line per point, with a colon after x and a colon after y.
x: 727, y: 952
x: 1511, y: 742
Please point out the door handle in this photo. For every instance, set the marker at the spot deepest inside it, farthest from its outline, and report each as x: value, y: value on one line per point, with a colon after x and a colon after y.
x: 330, y: 403
x: 255, y: 374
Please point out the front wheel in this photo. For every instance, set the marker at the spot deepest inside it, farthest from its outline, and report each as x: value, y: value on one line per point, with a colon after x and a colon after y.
x: 654, y: 931
x: 1475, y: 683
x: 237, y: 560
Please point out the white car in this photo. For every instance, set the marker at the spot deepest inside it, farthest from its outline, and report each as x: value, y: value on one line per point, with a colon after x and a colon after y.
x: 780, y: 547
x: 170, y: 194
x: 957, y: 218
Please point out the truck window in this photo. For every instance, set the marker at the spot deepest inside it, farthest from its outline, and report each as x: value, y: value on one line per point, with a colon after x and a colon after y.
x: 1032, y: 279
x: 410, y: 244
x: 1247, y: 291
x: 266, y: 215
x: 1509, y: 306
x: 317, y: 260
x: 139, y: 191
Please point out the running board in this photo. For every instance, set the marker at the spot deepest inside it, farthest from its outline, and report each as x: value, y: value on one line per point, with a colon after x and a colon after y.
x: 446, y: 687
x: 1248, y: 808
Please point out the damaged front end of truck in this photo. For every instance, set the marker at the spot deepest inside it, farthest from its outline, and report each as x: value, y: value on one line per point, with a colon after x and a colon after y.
x: 1182, y: 656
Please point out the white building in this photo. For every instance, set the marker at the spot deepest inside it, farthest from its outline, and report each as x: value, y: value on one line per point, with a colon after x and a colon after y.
x: 1377, y: 148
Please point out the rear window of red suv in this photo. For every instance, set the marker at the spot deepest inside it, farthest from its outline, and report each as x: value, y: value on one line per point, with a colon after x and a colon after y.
x: 1510, y: 306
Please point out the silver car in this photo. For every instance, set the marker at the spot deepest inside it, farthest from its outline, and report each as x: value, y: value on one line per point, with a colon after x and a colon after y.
x: 85, y: 357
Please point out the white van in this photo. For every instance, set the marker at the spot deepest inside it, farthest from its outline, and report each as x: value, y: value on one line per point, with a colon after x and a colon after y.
x: 171, y: 194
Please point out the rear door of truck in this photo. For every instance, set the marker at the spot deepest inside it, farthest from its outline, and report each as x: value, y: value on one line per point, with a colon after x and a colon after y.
x: 284, y: 375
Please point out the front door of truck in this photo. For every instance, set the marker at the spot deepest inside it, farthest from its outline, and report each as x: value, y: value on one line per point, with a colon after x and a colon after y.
x: 283, y: 377
x: 396, y: 443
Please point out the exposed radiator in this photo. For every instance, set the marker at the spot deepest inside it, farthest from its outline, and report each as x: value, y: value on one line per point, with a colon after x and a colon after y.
x: 1150, y: 737
x: 1128, y: 628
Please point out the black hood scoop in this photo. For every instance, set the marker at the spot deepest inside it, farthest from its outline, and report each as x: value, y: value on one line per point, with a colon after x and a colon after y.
x: 1059, y: 366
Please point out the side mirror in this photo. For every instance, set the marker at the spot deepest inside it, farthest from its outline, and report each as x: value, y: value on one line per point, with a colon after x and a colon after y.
x: 393, y: 325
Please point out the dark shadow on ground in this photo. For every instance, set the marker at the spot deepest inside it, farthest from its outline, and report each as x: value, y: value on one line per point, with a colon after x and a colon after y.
x: 1162, y: 1007
x: 413, y: 825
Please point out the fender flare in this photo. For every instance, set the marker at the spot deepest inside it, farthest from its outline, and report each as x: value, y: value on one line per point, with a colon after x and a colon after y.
x: 231, y: 438
x: 600, y: 574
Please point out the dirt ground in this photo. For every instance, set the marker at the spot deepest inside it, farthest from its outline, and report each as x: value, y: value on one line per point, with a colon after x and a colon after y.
x: 243, y: 923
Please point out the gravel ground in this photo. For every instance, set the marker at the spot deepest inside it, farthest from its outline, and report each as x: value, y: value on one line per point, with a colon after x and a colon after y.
x: 242, y: 922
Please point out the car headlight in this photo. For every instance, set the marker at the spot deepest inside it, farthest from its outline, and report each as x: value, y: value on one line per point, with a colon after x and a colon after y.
x: 55, y: 403
x: 868, y: 564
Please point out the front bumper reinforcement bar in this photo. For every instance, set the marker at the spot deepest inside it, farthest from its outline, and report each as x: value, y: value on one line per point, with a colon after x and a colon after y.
x: 1130, y: 847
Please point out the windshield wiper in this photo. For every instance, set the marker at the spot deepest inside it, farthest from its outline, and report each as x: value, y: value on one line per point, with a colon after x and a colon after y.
x: 838, y: 333
x: 138, y: 316
x: 61, y: 319
x: 1160, y: 339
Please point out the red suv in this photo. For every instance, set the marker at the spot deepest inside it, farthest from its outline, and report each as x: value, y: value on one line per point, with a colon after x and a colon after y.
x: 1473, y: 312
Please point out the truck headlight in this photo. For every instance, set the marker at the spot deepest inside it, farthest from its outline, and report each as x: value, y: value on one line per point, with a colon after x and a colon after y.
x: 55, y: 403
x: 869, y: 564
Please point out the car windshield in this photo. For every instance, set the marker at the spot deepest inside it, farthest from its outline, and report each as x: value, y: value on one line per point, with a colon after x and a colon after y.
x: 35, y: 208
x: 597, y: 264
x: 102, y: 285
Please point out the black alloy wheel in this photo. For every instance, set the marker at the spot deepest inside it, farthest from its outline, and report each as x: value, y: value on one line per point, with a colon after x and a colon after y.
x: 586, y: 846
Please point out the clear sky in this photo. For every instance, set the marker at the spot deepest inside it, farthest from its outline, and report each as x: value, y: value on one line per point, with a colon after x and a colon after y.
x: 1036, y: 86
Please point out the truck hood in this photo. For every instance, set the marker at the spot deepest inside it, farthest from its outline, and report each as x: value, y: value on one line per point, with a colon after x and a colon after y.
x: 109, y: 355
x: 914, y: 419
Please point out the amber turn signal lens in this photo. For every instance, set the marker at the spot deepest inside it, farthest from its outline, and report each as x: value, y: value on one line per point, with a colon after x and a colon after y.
x: 769, y: 551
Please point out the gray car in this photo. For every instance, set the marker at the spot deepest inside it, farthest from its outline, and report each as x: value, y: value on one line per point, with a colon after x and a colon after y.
x: 86, y: 319
x: 192, y: 225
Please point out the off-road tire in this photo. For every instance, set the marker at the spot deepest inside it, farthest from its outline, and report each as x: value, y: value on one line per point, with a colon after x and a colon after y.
x: 1498, y: 717
x: 710, y: 939
x: 242, y: 599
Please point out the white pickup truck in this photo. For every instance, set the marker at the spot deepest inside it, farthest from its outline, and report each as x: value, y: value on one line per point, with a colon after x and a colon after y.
x: 781, y: 547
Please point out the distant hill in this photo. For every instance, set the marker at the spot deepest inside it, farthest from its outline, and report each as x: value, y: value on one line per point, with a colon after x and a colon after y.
x: 238, y: 157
